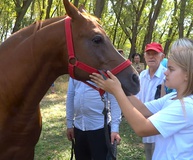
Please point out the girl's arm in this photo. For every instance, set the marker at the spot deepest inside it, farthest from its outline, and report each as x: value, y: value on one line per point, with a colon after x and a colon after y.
x: 135, y: 116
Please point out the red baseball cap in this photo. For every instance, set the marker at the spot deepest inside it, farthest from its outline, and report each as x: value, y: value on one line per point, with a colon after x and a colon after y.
x: 154, y: 46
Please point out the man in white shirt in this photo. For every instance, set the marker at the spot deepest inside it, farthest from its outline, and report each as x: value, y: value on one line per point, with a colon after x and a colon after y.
x: 150, y: 85
x: 85, y: 121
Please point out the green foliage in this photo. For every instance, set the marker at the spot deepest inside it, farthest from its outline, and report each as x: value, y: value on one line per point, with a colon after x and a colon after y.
x: 127, y: 23
x: 7, y: 17
x: 131, y: 147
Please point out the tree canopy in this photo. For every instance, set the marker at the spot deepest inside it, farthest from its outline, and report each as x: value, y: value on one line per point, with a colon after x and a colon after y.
x: 130, y: 24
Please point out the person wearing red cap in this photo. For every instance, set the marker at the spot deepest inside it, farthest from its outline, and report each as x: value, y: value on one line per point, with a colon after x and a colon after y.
x: 150, y: 85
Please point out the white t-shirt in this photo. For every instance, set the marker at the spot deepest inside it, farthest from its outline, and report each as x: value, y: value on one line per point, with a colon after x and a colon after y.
x: 174, y: 120
x: 148, y: 87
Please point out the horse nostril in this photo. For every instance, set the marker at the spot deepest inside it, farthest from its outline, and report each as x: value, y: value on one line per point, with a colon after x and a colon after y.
x: 135, y: 78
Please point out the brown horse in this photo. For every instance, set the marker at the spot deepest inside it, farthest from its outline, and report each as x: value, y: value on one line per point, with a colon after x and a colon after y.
x: 32, y: 59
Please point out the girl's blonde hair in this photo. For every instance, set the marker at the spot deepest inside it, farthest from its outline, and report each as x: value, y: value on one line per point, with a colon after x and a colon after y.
x: 181, y: 53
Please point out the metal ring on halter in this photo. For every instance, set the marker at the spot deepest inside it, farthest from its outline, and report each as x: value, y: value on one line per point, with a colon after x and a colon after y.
x: 72, y: 61
x: 104, y: 74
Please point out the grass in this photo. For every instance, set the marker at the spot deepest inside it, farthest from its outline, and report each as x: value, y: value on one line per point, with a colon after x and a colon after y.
x: 53, y: 143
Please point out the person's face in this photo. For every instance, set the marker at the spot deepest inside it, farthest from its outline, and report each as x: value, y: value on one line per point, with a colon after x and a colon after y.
x: 175, y: 77
x: 153, y: 58
x: 137, y: 59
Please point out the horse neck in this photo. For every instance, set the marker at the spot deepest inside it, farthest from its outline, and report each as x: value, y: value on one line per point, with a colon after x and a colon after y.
x: 49, y: 52
x: 49, y: 45
x: 24, y: 33
x: 34, y: 65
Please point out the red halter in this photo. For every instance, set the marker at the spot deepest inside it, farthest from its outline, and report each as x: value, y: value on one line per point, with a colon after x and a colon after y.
x: 81, y: 65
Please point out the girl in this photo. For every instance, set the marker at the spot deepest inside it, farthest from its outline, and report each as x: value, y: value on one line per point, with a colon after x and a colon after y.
x: 170, y: 117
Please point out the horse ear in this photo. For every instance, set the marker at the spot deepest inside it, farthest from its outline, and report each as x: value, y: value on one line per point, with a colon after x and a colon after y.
x: 71, y: 10
x: 82, y: 9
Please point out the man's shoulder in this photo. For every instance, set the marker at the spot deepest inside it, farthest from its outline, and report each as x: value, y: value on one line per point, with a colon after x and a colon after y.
x: 144, y: 72
x: 162, y: 68
x: 138, y: 63
x: 141, y: 64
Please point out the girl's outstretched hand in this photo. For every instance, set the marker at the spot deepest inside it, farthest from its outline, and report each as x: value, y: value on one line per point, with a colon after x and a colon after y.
x: 111, y: 84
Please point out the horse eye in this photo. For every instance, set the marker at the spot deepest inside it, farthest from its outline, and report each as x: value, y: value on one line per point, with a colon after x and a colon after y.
x: 97, y: 39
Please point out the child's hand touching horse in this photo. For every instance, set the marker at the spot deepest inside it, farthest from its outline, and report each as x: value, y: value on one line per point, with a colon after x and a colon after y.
x: 111, y: 84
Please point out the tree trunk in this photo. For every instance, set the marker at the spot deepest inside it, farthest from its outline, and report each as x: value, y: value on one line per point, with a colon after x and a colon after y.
x: 99, y: 8
x: 76, y: 3
x: 155, y: 9
x: 20, y: 12
x: 181, y: 18
x: 48, y: 8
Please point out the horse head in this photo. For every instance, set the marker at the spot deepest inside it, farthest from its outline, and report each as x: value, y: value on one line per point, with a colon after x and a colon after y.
x: 93, y: 48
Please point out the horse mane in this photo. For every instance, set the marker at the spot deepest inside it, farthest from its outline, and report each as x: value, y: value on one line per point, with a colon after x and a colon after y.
x: 91, y: 17
x: 38, y: 26
x: 85, y: 13
x: 39, y: 23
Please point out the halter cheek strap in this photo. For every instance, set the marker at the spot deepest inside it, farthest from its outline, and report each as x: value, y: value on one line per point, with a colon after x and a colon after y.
x: 71, y: 55
x: 73, y: 62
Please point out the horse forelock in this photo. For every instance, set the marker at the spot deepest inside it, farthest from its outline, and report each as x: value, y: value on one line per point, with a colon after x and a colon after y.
x: 91, y: 17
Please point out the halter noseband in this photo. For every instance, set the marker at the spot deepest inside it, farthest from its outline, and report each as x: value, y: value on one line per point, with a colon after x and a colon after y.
x: 83, y: 66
